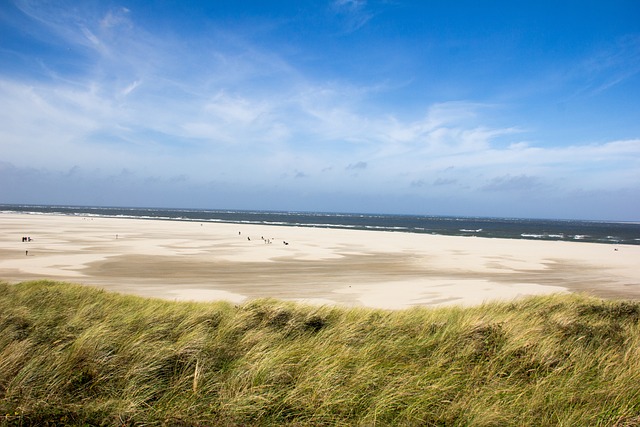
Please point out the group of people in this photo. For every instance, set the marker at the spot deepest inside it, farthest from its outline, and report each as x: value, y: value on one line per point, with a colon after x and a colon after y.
x: 266, y: 241
x: 26, y: 239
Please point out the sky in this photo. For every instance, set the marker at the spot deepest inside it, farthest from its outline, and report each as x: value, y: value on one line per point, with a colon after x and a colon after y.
x: 493, y: 108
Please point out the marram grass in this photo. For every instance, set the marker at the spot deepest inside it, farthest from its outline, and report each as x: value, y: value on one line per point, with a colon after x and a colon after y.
x: 74, y: 355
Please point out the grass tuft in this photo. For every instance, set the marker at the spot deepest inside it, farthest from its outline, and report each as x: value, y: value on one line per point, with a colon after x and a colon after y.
x: 73, y: 355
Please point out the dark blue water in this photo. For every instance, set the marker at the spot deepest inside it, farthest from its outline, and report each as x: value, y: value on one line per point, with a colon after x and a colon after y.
x: 534, y: 229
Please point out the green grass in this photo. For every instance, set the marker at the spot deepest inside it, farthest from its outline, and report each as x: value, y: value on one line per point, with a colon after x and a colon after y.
x: 74, y: 355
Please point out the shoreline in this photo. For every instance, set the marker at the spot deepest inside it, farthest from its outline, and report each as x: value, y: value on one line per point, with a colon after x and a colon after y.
x: 600, y: 231
x: 192, y: 260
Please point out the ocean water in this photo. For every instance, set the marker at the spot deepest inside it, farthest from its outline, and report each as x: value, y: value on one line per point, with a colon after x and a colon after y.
x: 510, y: 228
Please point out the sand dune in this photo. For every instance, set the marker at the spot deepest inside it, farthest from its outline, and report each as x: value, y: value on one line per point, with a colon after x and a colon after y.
x: 208, y: 261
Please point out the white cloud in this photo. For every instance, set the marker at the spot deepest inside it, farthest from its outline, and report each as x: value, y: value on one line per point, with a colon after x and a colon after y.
x: 130, y: 88
x: 59, y: 127
x: 91, y: 37
x: 116, y: 18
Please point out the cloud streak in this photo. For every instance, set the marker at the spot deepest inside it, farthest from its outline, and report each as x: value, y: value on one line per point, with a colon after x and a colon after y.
x: 354, y: 13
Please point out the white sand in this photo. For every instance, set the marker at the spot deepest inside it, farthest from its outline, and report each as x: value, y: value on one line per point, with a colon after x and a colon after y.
x: 209, y: 261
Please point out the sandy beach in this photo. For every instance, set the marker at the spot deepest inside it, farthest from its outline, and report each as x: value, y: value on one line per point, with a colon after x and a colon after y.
x: 210, y: 261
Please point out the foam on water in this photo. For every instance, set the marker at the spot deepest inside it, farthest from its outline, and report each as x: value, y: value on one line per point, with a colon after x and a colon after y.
x: 511, y: 228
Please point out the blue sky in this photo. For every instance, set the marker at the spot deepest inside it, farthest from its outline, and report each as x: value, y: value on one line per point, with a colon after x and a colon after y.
x: 495, y: 108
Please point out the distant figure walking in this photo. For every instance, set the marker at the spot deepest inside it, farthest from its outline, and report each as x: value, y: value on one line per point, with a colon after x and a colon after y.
x: 26, y: 253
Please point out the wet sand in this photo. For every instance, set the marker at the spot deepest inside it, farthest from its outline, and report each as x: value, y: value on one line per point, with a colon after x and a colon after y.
x: 208, y: 261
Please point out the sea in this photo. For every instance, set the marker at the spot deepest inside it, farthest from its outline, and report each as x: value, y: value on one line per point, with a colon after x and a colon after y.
x: 627, y: 233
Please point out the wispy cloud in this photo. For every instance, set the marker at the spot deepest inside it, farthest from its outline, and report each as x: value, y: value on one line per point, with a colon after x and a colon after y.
x: 606, y: 67
x: 444, y: 181
x: 519, y: 183
x: 354, y: 13
x: 356, y: 166
x: 235, y: 132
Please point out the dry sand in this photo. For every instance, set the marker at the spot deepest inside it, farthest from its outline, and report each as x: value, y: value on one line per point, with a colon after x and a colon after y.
x: 209, y: 261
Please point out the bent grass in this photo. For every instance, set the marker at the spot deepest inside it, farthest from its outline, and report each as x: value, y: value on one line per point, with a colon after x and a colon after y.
x: 74, y: 355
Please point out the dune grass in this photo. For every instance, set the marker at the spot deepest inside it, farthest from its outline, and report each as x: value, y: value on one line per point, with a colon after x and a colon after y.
x: 74, y: 355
